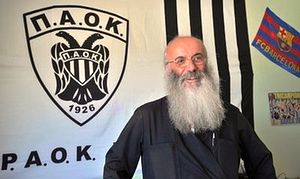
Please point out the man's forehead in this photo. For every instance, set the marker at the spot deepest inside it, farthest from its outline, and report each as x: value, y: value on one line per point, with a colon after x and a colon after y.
x: 182, y: 40
x: 184, y: 45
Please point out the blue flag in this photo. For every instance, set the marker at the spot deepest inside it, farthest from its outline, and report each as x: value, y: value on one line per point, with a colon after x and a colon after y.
x: 279, y: 42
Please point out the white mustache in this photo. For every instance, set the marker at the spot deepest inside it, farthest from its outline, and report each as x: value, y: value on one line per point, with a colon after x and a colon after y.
x: 192, y: 75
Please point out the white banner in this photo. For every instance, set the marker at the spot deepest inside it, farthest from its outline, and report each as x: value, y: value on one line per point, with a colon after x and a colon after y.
x: 71, y: 75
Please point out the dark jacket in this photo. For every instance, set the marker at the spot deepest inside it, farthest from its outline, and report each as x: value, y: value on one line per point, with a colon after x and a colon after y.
x: 167, y: 154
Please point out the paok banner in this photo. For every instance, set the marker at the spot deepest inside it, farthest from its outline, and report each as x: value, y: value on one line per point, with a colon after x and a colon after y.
x: 72, y: 73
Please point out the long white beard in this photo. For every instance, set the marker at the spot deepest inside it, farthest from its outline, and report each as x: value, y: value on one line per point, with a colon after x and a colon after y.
x: 194, y: 109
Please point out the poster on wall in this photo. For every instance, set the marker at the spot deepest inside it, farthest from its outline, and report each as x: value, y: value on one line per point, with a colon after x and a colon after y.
x: 284, y: 108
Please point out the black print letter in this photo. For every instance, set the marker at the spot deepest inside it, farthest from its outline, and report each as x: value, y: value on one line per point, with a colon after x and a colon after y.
x: 83, y: 152
x: 95, y: 17
x: 113, y: 24
x: 35, y: 23
x: 8, y: 159
x: 63, y: 155
x: 66, y: 18
x: 33, y: 159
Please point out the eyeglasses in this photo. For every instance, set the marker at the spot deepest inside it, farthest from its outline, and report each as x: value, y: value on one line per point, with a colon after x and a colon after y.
x: 197, y: 59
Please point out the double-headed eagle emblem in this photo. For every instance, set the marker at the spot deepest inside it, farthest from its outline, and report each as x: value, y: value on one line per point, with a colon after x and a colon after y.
x: 81, y: 72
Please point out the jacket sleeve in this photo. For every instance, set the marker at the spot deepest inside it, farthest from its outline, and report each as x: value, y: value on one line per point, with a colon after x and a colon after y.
x: 257, y: 158
x: 122, y: 158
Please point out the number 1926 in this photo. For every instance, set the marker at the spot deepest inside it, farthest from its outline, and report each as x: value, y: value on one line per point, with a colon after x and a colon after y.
x: 81, y: 109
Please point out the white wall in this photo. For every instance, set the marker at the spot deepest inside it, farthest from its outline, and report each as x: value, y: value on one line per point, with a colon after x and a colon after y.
x: 283, y: 141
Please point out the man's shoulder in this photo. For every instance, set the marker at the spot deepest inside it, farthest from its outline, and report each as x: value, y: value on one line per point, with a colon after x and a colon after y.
x: 154, y: 104
x: 230, y: 107
x: 233, y: 115
x: 152, y: 110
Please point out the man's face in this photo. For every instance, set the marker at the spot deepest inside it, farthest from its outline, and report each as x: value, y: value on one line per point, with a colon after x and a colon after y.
x: 186, y: 55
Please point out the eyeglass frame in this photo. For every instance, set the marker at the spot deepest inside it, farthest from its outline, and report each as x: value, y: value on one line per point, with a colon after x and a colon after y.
x: 181, y: 60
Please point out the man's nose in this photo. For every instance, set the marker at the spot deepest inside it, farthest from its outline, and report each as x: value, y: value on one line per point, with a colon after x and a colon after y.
x: 190, y: 65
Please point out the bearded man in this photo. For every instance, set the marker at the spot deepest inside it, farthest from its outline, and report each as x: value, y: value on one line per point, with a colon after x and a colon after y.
x: 191, y: 133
